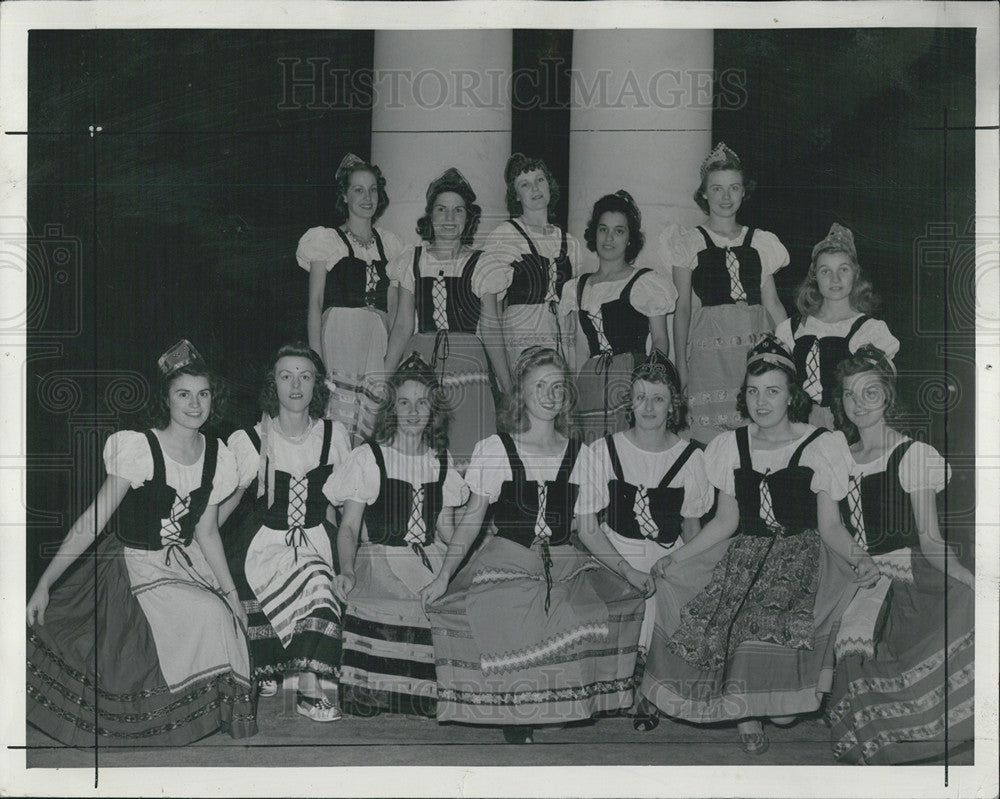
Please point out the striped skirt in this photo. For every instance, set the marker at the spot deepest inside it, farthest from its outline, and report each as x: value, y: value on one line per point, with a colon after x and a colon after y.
x: 168, y: 664
x: 916, y: 691
x: 294, y: 618
x: 504, y: 658
x: 388, y: 656
x: 354, y: 341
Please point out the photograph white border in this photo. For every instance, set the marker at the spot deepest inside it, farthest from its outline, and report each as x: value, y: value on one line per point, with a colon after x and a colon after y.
x: 17, y: 18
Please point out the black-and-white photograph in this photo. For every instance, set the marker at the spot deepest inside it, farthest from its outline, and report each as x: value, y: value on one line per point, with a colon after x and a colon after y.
x: 500, y: 384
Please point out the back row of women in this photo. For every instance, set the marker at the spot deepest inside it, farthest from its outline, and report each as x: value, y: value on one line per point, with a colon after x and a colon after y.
x: 471, y: 312
x: 536, y: 579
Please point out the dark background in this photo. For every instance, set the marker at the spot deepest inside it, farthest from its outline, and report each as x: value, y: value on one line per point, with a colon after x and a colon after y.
x: 180, y: 218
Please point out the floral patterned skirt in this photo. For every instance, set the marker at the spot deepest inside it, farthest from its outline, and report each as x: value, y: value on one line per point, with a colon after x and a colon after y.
x: 719, y: 339
x: 758, y: 640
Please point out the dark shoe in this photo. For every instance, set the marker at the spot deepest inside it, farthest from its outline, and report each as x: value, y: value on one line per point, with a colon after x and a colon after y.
x: 519, y: 734
x: 646, y: 723
x: 754, y: 743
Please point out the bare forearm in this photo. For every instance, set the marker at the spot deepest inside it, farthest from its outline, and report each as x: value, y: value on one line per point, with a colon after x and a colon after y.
x: 771, y: 303
x: 314, y: 327
x: 211, y: 546
x: 347, y: 547
x: 721, y: 527
x: 593, y: 537
x: 465, y: 532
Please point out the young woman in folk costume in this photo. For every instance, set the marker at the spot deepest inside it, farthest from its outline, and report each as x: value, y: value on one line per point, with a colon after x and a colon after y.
x: 532, y: 631
x: 144, y: 642
x: 646, y: 488
x: 770, y: 574
x: 399, y: 491
x: 350, y: 305
x: 726, y: 298
x: 526, y: 262
x: 438, y: 313
x: 614, y: 311
x: 279, y: 547
x: 904, y: 685
x: 833, y: 302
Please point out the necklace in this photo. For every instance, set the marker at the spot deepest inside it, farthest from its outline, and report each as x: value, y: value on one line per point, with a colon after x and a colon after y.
x: 358, y: 240
x: 297, y: 437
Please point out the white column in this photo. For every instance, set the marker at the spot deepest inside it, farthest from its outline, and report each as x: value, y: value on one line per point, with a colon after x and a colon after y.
x: 641, y: 121
x: 442, y: 99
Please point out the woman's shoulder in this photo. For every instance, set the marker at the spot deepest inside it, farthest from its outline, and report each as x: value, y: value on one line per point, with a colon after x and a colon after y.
x: 721, y: 445
x: 391, y: 243
x: 320, y: 244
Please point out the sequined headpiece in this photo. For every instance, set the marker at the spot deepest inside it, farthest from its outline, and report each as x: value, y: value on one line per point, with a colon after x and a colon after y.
x: 451, y: 180
x: 771, y: 350
x: 178, y: 356
x: 347, y: 165
x: 721, y: 155
x: 657, y: 368
x: 871, y: 354
x: 839, y: 239
x: 415, y: 364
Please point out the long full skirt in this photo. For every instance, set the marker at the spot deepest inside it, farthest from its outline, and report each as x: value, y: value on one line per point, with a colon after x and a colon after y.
x: 294, y: 618
x: 748, y: 646
x: 914, y: 694
x: 718, y: 342
x: 460, y: 362
x: 388, y: 654
x: 536, y: 326
x: 603, y: 393
x: 139, y: 650
x: 510, y: 650
x: 354, y: 341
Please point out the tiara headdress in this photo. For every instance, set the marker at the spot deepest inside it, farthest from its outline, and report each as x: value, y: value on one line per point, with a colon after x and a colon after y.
x: 770, y: 350
x: 414, y: 363
x: 347, y: 164
x: 840, y: 239
x: 657, y: 368
x: 450, y: 180
x: 871, y: 354
x: 178, y: 356
x: 720, y: 155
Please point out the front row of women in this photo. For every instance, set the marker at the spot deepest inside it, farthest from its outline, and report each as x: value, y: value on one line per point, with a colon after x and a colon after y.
x: 553, y: 582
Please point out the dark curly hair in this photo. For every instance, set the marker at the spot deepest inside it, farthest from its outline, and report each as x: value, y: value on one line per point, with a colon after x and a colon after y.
x: 473, y: 213
x: 343, y: 181
x: 749, y: 184
x: 664, y: 373
x: 518, y: 164
x: 620, y: 203
x: 435, y: 435
x: 801, y: 402
x: 809, y: 300
x: 321, y: 392
x: 512, y: 415
x: 868, y: 358
x: 158, y: 410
